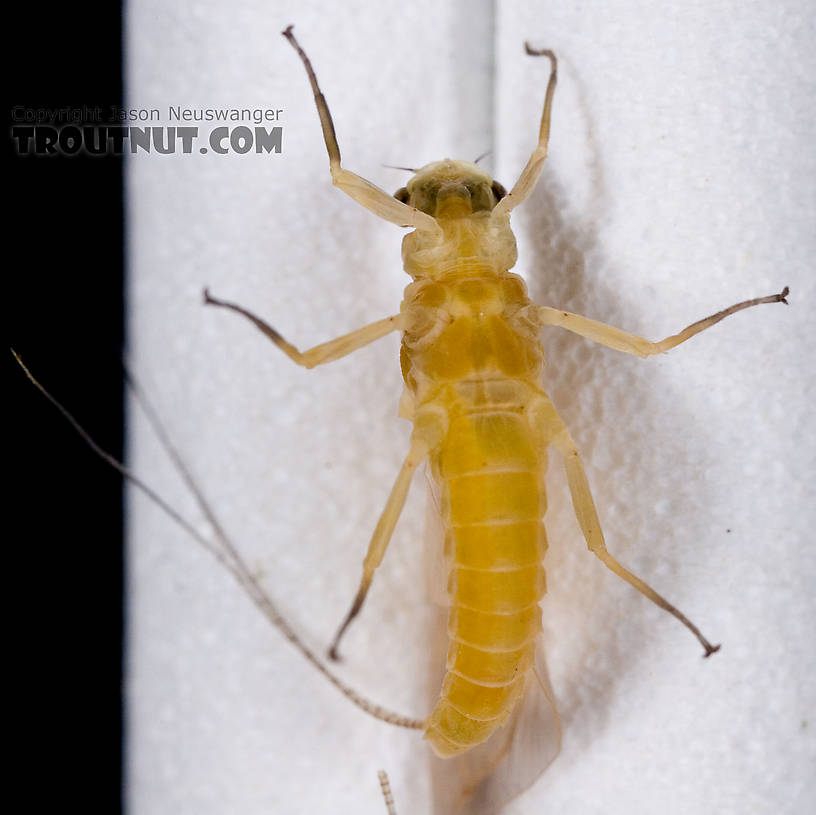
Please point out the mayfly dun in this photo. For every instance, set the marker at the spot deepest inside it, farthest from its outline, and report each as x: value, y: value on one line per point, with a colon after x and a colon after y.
x: 472, y: 363
x: 334, y: 505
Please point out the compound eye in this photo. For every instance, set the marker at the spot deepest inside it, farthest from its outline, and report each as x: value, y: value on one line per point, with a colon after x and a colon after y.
x: 498, y: 190
x: 402, y: 195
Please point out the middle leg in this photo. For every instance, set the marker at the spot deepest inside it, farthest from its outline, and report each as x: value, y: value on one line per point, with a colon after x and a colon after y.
x: 320, y: 354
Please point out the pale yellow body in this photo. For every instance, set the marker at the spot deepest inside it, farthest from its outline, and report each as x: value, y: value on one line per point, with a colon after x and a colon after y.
x: 472, y: 361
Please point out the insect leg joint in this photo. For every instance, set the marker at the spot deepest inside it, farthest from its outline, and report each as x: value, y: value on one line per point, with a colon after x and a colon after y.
x: 327, y: 351
x: 633, y: 344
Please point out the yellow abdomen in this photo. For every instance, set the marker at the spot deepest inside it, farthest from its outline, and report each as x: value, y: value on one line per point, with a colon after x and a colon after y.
x: 481, y: 370
x: 492, y: 503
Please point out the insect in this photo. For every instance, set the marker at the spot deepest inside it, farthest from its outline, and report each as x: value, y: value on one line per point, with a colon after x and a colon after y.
x: 632, y: 278
x: 471, y: 361
x: 657, y: 127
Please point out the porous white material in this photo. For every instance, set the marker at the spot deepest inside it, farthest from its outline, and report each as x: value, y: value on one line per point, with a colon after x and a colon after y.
x: 681, y: 179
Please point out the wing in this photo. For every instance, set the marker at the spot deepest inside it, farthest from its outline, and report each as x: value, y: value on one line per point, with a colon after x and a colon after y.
x: 486, y: 778
x: 436, y: 564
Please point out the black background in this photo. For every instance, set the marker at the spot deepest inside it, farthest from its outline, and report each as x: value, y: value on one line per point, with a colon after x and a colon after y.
x: 63, y: 313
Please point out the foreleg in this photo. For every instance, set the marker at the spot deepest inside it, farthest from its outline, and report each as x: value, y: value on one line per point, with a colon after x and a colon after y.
x: 363, y: 192
x: 531, y: 172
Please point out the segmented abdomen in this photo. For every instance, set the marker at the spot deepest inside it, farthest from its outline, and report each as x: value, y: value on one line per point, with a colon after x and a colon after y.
x: 492, y: 501
x: 473, y: 359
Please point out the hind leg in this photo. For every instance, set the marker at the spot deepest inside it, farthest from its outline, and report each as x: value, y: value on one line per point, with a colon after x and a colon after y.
x: 427, y: 434
x: 555, y: 431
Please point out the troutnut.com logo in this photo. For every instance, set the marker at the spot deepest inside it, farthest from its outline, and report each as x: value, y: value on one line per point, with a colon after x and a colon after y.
x: 113, y: 131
